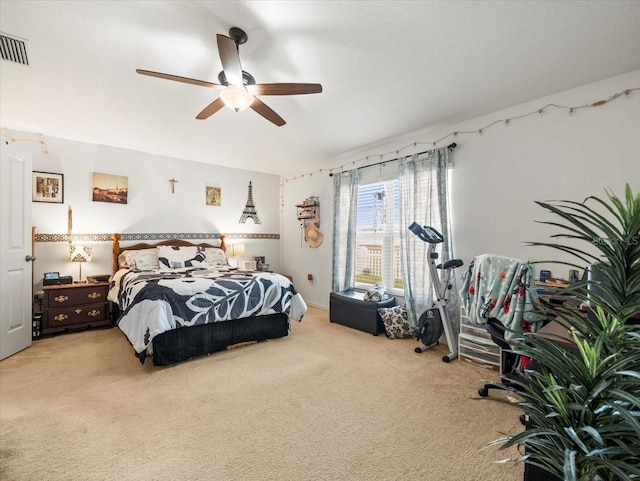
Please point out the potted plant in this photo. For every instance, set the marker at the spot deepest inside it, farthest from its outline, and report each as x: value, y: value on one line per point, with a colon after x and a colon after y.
x: 583, y: 403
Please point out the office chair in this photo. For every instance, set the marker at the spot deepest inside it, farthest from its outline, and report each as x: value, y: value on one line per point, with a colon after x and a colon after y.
x: 510, y: 362
x: 509, y: 365
x: 499, y: 293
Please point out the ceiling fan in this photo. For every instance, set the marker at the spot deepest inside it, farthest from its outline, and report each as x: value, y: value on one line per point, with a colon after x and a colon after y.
x: 238, y: 89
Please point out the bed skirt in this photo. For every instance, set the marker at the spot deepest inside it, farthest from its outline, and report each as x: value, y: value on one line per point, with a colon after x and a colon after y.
x: 178, y: 345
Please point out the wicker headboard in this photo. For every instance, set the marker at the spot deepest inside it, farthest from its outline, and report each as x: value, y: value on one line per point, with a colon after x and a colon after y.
x: 171, y: 242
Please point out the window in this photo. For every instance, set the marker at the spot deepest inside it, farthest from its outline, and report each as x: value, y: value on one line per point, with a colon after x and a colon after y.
x: 377, y: 258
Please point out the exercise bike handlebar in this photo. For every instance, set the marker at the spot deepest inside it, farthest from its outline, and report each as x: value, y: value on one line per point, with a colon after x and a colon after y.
x: 426, y: 233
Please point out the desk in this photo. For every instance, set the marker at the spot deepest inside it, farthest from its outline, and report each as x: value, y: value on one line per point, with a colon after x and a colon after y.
x: 555, y: 331
x: 558, y: 333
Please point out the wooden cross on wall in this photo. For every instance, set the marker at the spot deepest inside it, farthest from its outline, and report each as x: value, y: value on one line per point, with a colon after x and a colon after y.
x: 173, y: 185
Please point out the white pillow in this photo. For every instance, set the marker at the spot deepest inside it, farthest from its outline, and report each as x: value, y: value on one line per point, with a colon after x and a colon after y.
x: 175, y: 257
x: 214, y: 256
x: 146, y: 260
x: 143, y: 259
x: 122, y: 261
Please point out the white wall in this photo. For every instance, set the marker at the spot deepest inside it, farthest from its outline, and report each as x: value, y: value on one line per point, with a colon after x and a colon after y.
x: 298, y: 258
x: 151, y: 207
x: 498, y: 175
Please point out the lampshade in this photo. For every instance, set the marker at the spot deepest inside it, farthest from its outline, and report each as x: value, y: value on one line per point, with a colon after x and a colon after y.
x: 80, y: 253
x: 237, y: 250
x: 238, y: 98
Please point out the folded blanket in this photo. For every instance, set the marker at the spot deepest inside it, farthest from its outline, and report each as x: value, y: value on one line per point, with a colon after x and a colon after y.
x: 502, y: 288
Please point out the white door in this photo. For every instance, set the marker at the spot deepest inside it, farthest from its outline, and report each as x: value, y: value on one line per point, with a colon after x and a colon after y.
x: 15, y: 249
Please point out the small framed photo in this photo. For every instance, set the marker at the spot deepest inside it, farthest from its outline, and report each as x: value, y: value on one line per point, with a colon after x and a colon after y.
x: 47, y: 187
x: 214, y: 196
x: 259, y: 262
x: 249, y: 265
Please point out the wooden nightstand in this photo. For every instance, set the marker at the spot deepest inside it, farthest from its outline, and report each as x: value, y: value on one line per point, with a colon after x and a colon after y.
x: 73, y: 306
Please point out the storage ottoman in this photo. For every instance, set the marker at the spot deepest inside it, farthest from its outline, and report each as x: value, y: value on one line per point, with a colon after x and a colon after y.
x: 349, y: 309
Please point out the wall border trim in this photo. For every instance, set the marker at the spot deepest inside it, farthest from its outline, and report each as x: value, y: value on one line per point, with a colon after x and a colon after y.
x: 148, y: 236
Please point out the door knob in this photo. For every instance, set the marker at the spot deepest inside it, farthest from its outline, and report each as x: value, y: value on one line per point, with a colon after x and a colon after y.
x: 30, y: 258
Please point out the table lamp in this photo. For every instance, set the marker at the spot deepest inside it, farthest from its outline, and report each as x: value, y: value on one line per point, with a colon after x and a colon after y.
x: 237, y: 250
x: 80, y: 253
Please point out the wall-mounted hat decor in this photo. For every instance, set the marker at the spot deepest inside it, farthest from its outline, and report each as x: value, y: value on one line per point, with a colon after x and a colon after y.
x: 312, y: 234
x: 308, y: 213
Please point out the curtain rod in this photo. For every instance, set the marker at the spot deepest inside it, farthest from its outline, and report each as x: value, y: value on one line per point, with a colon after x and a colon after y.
x: 450, y: 147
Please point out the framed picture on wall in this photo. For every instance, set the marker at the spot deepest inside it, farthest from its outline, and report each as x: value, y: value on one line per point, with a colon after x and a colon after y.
x: 110, y: 188
x: 47, y: 187
x: 214, y: 196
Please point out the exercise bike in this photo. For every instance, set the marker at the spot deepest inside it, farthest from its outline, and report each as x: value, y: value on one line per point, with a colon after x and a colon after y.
x: 433, y: 321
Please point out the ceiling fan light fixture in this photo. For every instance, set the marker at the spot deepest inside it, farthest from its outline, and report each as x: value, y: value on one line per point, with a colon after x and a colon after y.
x: 238, y: 88
x: 237, y: 98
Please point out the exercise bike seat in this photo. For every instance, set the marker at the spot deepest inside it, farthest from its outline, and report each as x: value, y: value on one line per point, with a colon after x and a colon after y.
x: 451, y: 264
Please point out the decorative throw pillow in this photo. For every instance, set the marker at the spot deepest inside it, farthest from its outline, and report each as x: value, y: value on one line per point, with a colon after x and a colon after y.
x: 144, y: 260
x: 376, y: 293
x: 122, y: 260
x: 174, y: 257
x: 396, y: 324
x: 213, y: 256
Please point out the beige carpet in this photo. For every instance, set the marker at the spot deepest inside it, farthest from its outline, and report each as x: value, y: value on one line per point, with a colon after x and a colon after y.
x: 325, y: 403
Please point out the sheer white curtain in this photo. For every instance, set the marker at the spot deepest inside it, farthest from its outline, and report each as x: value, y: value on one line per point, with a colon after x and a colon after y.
x: 424, y: 198
x: 345, y: 208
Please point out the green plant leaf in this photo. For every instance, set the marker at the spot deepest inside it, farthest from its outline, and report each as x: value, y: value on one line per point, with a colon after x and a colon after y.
x: 570, y: 473
x: 584, y: 404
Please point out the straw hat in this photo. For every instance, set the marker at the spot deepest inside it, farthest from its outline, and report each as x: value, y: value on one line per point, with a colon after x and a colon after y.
x: 312, y: 235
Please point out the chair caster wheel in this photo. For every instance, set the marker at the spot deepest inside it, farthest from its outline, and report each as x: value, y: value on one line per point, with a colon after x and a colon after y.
x: 483, y: 392
x: 418, y: 350
x: 523, y: 419
x: 445, y: 359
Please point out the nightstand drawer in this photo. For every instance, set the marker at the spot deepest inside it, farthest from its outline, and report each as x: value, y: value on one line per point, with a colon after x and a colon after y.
x: 86, y: 314
x: 75, y: 297
x: 69, y: 307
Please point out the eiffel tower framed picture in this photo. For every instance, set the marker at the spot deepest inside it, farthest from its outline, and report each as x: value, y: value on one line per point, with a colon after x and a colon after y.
x: 249, y: 211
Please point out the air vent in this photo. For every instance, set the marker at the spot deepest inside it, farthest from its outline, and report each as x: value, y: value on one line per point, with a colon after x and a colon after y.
x: 13, y: 49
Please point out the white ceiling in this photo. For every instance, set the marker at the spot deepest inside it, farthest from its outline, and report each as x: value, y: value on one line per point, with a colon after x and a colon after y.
x: 387, y: 68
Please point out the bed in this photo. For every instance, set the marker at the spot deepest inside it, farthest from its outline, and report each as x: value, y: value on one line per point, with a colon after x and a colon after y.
x: 176, y: 300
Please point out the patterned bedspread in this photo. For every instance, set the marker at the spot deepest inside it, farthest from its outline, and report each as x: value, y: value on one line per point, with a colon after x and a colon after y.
x: 153, y: 302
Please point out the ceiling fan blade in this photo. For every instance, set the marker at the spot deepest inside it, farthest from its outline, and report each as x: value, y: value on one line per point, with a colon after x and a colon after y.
x: 210, y: 109
x: 176, y: 78
x: 230, y: 60
x: 284, y: 89
x: 267, y: 112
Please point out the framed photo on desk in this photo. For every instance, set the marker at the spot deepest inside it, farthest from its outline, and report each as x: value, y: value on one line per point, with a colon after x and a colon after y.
x: 249, y: 265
